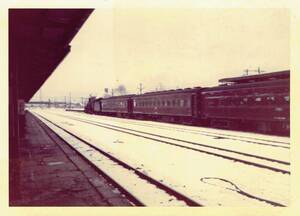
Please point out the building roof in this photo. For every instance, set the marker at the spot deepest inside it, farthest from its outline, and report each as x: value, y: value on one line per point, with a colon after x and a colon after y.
x: 258, y: 77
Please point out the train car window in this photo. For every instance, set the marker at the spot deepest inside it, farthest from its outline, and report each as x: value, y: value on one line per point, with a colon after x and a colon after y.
x: 184, y: 103
x: 270, y: 100
x: 287, y: 98
x: 250, y: 101
x: 181, y: 103
x: 168, y: 103
x: 241, y: 101
x: 222, y: 102
x: 244, y: 99
x: 212, y: 102
x: 173, y: 103
x: 237, y: 101
x: 258, y: 99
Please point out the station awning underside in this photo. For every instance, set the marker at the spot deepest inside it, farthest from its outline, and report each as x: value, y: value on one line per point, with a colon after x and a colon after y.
x: 39, y: 39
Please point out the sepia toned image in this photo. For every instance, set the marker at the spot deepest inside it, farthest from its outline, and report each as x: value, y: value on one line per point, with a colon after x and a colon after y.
x: 156, y: 107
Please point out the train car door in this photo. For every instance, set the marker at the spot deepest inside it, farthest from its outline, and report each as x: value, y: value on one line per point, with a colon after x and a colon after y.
x: 130, y: 105
x: 194, y: 105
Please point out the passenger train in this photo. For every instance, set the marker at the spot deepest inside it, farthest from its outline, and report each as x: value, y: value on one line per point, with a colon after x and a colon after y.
x: 259, y: 103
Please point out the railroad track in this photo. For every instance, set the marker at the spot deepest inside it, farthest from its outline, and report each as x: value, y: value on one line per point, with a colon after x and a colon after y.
x: 236, y: 156
x: 141, y: 189
x: 216, y: 135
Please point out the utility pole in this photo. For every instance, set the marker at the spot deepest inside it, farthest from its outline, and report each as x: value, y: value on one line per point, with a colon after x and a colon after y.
x: 259, y: 71
x: 112, y: 92
x: 82, y: 101
x: 70, y: 100
x: 140, y: 88
x: 65, y: 102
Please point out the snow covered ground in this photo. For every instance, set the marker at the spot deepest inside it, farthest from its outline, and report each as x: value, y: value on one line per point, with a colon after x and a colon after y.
x: 207, y: 179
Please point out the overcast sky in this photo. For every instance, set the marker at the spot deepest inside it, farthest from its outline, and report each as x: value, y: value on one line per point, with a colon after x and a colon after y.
x: 173, y: 48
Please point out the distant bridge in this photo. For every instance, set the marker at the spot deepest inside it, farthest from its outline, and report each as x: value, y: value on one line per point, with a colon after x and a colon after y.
x: 52, y: 104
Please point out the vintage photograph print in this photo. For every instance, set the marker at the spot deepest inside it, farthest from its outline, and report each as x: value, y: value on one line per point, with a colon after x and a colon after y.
x: 149, y: 107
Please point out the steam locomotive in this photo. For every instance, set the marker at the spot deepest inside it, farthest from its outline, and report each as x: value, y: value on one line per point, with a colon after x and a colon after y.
x: 259, y: 103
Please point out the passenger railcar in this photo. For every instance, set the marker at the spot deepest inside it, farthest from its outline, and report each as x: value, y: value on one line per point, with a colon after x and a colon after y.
x: 174, y: 105
x: 118, y: 105
x: 254, y: 102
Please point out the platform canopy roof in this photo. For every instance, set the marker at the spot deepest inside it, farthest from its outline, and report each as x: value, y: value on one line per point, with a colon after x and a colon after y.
x: 39, y: 39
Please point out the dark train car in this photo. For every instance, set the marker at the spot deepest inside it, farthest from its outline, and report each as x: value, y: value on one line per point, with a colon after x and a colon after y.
x: 97, y: 106
x: 118, y: 105
x: 258, y: 102
x: 89, y: 107
x: 176, y: 105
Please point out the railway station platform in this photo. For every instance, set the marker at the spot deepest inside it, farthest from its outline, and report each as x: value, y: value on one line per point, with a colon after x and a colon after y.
x: 51, y: 173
